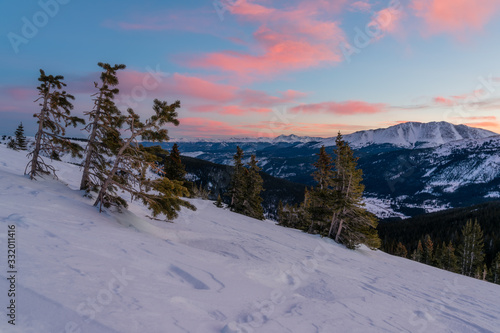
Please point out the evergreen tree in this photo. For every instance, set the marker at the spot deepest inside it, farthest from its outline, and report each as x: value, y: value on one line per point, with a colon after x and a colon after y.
x: 128, y: 171
x: 12, y: 144
x: 280, y: 212
x: 237, y: 186
x: 351, y: 222
x: 429, y: 250
x: 53, y: 118
x: 20, y: 142
x: 219, y: 203
x: 104, y: 121
x: 446, y: 258
x: 173, y: 167
x: 320, y: 199
x: 471, y: 249
x: 253, y: 181
x: 417, y: 254
x: 401, y: 250
x: 495, y: 269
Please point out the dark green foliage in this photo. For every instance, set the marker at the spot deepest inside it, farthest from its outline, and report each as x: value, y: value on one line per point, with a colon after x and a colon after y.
x: 217, y: 178
x: 129, y: 169
x: 253, y: 189
x: 104, y: 122
x: 237, y: 187
x: 446, y: 258
x: 172, y: 165
x: 495, y: 269
x: 321, y: 199
x: 12, y: 144
x: 53, y: 118
x: 246, y: 186
x: 428, y: 255
x: 351, y: 223
x: 445, y: 226
x: 20, y: 143
x: 471, y: 249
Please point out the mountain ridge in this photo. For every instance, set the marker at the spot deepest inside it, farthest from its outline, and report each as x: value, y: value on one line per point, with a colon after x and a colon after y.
x: 407, y: 135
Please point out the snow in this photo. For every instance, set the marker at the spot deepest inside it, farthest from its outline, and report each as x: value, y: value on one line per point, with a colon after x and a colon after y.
x: 417, y: 135
x: 209, y: 271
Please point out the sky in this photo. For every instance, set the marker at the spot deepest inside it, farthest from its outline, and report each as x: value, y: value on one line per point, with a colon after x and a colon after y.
x: 265, y: 68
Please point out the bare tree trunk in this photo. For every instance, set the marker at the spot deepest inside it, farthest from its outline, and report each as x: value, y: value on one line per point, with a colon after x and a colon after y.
x: 90, y: 147
x: 332, y: 224
x: 38, y: 137
x: 339, y: 231
x: 109, y: 177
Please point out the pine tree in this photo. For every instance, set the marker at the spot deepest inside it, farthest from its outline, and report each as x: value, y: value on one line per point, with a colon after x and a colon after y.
x: 320, y: 199
x: 351, y: 222
x: 219, y: 203
x: 417, y: 254
x: 446, y: 258
x: 495, y: 269
x: 53, y: 119
x: 20, y: 142
x: 173, y: 167
x: 128, y: 171
x: 429, y: 250
x: 253, y: 188
x: 472, y: 249
x: 237, y: 186
x: 401, y: 250
x: 280, y: 212
x: 104, y: 121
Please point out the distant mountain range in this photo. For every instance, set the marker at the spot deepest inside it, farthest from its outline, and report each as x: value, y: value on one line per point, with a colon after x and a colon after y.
x: 408, y: 135
x: 410, y: 168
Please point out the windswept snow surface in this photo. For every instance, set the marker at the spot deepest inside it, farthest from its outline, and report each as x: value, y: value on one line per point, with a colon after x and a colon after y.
x: 210, y: 271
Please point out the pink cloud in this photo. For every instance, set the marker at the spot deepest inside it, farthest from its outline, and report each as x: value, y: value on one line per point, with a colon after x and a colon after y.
x: 204, y: 128
x: 386, y: 20
x: 239, y: 111
x: 22, y: 93
x: 285, y: 40
x: 275, y: 128
x: 444, y: 101
x: 341, y: 108
x: 455, y: 16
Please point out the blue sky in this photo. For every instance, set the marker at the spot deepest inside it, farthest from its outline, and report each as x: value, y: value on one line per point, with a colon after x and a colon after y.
x: 262, y: 67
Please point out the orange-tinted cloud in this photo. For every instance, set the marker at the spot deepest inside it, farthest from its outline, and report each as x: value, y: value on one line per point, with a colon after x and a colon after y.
x: 485, y: 124
x: 207, y: 128
x: 455, y: 16
x: 444, y: 101
x: 276, y: 128
x: 341, y: 108
x: 362, y: 6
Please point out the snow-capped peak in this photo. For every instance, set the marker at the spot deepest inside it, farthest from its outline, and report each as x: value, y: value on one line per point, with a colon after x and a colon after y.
x: 414, y: 134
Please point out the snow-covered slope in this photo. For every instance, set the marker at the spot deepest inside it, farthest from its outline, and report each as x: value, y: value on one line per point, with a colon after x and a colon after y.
x: 210, y: 271
x: 413, y: 134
